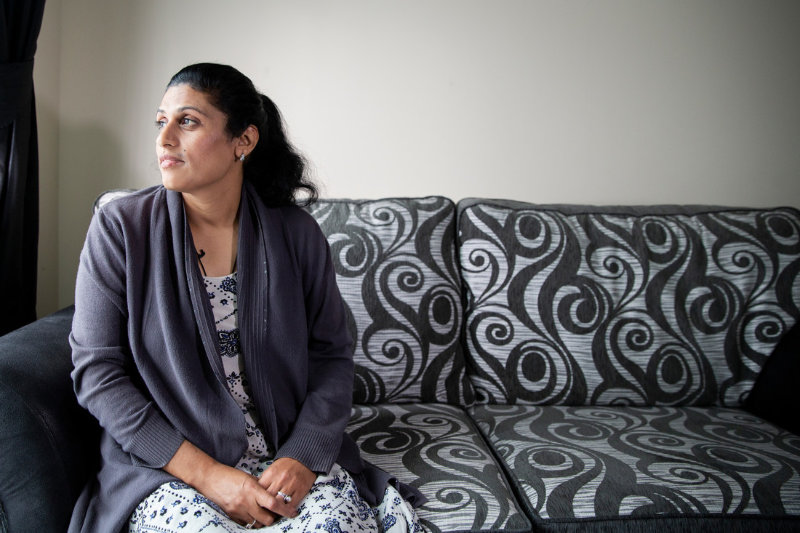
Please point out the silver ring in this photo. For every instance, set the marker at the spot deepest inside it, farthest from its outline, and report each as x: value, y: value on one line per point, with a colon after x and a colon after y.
x: 286, y: 497
x: 251, y: 524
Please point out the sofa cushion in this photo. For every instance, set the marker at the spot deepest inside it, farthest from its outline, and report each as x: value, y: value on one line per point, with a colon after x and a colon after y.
x: 578, y: 465
x: 651, y: 305
x: 437, y: 449
x: 396, y: 269
x: 774, y: 396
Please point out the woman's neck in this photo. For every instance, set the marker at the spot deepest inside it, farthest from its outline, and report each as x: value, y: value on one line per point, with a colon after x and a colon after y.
x: 214, y: 224
x: 220, y: 209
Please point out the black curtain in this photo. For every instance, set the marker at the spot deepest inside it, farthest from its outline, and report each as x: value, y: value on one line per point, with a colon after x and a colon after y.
x: 20, y: 22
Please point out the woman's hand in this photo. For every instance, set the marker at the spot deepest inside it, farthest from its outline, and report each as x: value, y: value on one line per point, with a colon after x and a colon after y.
x: 288, y: 477
x: 239, y: 495
x: 235, y: 492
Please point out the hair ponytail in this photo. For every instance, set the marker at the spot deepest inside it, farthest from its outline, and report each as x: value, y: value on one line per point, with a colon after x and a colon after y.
x: 275, y: 168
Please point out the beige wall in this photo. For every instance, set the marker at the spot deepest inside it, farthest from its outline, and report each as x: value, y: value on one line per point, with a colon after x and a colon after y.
x: 46, y: 85
x: 613, y: 101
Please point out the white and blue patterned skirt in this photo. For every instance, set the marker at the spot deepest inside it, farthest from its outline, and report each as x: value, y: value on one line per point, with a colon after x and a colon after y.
x: 333, y: 505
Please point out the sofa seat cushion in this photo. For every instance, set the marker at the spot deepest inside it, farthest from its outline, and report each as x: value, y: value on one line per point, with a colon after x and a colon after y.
x: 396, y: 268
x: 651, y: 305
x: 576, y: 465
x: 439, y: 450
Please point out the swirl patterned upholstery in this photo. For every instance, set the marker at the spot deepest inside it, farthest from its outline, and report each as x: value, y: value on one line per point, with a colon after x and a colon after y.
x: 623, y: 306
x: 396, y: 268
x: 689, y: 468
x: 611, y: 350
x: 436, y: 448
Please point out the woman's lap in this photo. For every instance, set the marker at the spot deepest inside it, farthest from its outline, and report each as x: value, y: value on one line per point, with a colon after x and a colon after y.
x: 333, y: 505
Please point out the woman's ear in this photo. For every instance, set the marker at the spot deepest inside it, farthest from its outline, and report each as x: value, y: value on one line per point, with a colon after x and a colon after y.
x: 248, y: 139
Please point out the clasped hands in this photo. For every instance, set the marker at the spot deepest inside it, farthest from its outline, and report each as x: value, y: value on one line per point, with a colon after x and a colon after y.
x: 260, y: 502
x: 250, y: 501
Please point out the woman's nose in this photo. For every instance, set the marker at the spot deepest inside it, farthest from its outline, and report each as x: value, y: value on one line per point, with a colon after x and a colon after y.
x: 165, y: 135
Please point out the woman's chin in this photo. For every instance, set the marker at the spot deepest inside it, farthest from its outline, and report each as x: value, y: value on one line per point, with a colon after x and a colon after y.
x: 170, y: 183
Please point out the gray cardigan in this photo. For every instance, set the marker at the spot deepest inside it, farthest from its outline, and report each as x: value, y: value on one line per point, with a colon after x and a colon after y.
x: 146, y: 354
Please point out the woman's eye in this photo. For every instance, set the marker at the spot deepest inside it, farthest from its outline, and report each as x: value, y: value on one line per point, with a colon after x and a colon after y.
x: 160, y: 123
x: 186, y: 121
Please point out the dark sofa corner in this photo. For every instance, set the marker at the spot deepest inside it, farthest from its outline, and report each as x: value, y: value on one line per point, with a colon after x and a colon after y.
x: 48, y: 443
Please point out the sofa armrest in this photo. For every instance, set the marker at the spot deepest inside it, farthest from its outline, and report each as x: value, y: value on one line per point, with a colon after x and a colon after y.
x: 48, y: 444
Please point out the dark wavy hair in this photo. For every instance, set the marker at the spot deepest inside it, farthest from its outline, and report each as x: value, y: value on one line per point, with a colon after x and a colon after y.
x: 275, y: 168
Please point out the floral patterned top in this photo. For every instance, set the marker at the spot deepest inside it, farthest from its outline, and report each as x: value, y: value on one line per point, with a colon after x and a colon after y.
x: 222, y: 295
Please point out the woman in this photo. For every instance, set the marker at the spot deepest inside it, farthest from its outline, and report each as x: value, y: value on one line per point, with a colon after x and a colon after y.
x: 221, y: 408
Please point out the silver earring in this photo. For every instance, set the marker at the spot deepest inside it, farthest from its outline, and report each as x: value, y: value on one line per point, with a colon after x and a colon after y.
x: 241, y: 157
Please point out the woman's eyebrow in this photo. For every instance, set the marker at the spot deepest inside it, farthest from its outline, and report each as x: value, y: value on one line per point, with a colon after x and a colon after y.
x: 185, y: 108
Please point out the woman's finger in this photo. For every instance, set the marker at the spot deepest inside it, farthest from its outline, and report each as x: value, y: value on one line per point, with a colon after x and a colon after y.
x: 275, y: 507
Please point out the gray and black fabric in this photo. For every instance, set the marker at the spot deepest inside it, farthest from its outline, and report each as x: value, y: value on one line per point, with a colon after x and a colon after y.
x: 582, y: 305
x: 692, y: 468
x: 396, y: 268
x: 437, y: 449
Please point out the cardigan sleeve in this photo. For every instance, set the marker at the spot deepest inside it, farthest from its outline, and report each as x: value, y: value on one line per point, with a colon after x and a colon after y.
x: 316, y: 437
x: 104, y: 374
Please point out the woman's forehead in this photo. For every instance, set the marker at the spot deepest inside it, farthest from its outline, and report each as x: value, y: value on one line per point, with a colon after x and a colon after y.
x: 182, y: 96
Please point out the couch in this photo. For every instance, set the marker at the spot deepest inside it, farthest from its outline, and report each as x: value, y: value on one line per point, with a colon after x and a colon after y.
x: 527, y: 367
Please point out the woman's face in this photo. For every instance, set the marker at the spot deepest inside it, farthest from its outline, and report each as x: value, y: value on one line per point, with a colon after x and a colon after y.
x: 195, y: 152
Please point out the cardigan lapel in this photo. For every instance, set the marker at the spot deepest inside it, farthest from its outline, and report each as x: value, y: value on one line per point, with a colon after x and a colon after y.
x: 183, y: 247
x: 253, y: 302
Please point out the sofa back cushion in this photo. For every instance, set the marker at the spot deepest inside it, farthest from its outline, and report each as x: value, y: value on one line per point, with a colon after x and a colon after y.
x: 658, y: 305
x: 396, y: 268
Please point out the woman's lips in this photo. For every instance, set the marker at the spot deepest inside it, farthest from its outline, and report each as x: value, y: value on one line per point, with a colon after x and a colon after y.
x: 168, y: 161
